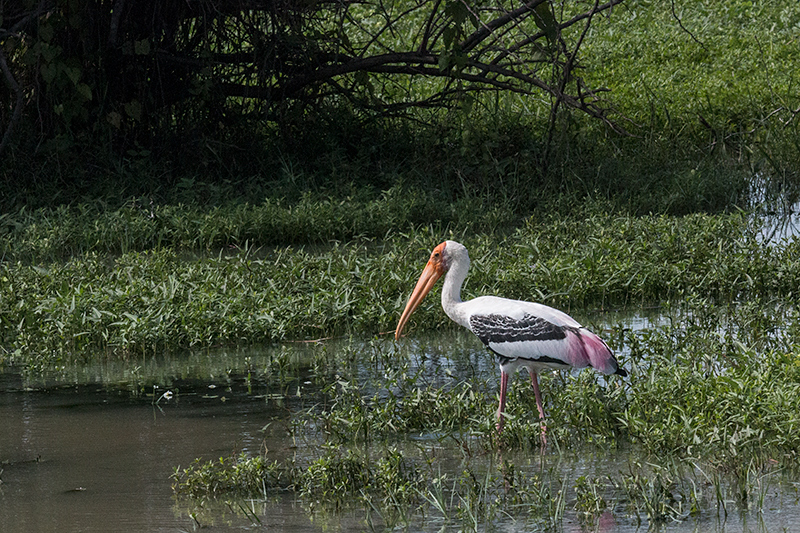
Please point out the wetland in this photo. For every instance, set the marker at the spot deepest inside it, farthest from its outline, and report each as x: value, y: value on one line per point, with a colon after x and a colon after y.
x: 353, y: 435
x: 197, y: 299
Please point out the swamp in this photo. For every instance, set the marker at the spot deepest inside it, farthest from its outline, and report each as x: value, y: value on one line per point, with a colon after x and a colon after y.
x: 212, y: 215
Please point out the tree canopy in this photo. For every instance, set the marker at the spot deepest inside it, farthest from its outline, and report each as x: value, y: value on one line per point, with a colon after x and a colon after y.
x: 129, y: 69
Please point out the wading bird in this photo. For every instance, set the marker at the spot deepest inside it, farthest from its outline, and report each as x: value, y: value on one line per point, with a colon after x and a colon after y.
x: 520, y: 334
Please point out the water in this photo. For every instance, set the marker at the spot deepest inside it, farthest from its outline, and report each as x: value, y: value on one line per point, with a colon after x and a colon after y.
x: 90, y: 459
x: 780, y: 228
x: 778, y: 213
x: 93, y: 449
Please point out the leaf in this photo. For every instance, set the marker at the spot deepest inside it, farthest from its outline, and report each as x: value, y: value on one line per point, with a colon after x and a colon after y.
x: 457, y: 11
x: 48, y: 72
x: 141, y: 48
x: 115, y: 119
x: 49, y: 53
x: 134, y: 109
x: 546, y: 21
x: 361, y: 77
x: 460, y: 59
x: 85, y: 91
x: 467, y: 102
x: 448, y: 35
x: 73, y: 73
x: 45, y: 32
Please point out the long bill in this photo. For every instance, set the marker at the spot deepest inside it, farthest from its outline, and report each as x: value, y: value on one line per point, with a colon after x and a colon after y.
x: 427, y: 280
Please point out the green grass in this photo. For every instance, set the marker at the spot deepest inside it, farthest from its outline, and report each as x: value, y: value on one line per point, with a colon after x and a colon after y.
x: 705, y: 425
x: 143, y: 302
x: 49, y: 234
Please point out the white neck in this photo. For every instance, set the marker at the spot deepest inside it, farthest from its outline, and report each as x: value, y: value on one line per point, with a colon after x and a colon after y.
x: 451, y: 291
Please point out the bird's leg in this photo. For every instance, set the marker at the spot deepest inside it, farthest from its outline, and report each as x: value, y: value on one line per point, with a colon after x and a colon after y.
x: 535, y: 383
x: 502, y: 407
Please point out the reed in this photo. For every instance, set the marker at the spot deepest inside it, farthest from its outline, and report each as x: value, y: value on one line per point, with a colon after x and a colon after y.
x: 163, y: 299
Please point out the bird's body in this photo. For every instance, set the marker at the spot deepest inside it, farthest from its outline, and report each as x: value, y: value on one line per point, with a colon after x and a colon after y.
x: 520, y: 334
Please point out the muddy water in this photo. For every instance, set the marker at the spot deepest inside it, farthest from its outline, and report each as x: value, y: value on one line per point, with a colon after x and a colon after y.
x: 91, y: 459
x: 94, y: 450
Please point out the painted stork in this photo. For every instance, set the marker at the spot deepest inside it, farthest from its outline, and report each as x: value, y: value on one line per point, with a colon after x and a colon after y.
x: 520, y: 334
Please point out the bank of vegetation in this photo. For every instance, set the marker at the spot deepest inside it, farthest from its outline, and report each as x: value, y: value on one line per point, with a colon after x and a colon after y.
x: 656, y: 109
x: 136, y: 221
x: 63, y: 311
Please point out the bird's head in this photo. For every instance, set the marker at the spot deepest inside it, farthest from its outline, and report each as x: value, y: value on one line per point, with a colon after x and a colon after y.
x: 437, y: 266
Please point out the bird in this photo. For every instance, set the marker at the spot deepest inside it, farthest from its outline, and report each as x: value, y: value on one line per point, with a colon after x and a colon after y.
x: 520, y: 334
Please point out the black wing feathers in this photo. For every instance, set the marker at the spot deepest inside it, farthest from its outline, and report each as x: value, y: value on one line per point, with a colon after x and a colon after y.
x: 501, y: 328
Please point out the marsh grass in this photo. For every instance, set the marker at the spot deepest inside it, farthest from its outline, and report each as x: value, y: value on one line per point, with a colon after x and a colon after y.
x: 703, y: 427
x: 145, y: 302
x: 58, y: 233
x: 402, y: 487
x: 709, y: 409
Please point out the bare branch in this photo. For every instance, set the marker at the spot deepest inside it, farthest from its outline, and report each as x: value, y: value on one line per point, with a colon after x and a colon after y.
x: 486, y: 29
x: 225, y: 52
x: 17, y: 90
x: 684, y: 28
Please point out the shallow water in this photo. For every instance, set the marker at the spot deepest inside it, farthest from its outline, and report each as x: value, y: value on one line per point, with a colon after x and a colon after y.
x: 779, y: 225
x: 85, y: 458
x: 93, y: 449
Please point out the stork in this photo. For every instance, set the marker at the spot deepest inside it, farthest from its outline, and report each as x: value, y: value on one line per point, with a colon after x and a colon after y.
x: 520, y: 334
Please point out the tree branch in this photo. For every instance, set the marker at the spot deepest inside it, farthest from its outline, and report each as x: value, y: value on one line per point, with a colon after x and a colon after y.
x: 17, y: 90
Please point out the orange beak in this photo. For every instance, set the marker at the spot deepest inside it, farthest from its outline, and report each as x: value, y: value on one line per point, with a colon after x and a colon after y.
x: 433, y: 271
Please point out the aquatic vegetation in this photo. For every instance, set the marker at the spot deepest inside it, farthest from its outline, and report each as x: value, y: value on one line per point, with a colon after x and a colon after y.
x: 142, y: 302
x: 402, y: 486
x: 705, y: 425
x: 729, y: 389
x: 708, y: 417
x: 230, y: 475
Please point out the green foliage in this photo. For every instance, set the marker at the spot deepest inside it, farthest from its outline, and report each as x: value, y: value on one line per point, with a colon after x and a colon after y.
x: 707, y: 71
x: 146, y: 301
x: 711, y: 108
x: 52, y: 234
x: 239, y: 475
x: 588, y: 500
x: 732, y: 390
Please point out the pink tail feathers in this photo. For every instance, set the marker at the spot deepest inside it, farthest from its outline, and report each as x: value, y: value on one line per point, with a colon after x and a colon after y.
x: 587, y: 349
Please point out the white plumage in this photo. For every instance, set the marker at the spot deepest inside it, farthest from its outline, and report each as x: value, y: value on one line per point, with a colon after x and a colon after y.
x: 521, y: 334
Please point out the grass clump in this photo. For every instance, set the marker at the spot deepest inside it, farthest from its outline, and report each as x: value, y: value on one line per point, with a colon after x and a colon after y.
x: 333, y: 480
x: 397, y: 486
x: 239, y: 475
x: 57, y: 312
x: 733, y: 392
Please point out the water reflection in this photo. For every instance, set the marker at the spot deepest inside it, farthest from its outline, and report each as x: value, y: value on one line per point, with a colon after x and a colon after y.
x: 92, y: 449
x: 780, y: 229
x: 85, y: 458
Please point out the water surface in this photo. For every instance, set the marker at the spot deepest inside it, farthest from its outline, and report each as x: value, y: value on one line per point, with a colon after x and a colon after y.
x: 85, y: 458
x: 93, y: 449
